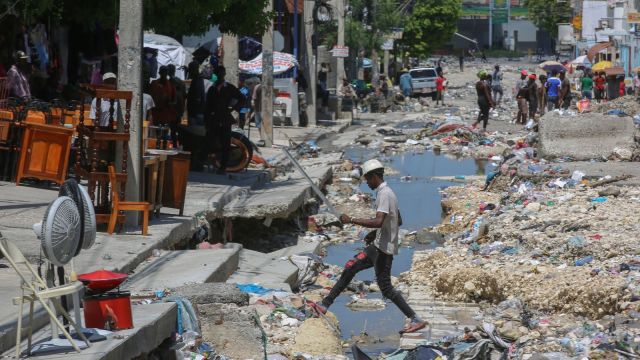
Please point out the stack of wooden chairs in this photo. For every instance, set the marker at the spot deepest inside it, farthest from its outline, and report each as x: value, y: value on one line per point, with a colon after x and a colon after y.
x: 100, y: 146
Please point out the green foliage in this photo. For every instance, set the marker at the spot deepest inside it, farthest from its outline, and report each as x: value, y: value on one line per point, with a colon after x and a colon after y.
x: 189, y: 17
x: 546, y: 14
x: 430, y: 25
x: 370, y: 20
x: 171, y: 17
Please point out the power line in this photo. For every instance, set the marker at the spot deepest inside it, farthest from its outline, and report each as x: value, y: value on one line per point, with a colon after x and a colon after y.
x: 10, y: 9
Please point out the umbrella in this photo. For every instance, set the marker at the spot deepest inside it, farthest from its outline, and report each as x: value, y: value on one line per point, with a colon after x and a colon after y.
x: 602, y: 65
x: 550, y: 66
x: 281, y: 63
x: 581, y: 61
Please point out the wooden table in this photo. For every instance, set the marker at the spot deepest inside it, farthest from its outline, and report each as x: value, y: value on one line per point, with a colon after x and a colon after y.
x: 154, y: 166
x: 176, y: 177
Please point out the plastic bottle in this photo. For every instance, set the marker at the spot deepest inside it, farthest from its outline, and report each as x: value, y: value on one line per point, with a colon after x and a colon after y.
x: 583, y: 261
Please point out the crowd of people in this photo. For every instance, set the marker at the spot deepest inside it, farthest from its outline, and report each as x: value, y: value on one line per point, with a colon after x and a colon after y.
x: 535, y: 94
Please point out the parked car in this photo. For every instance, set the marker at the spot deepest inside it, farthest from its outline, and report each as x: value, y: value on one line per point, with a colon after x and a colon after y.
x: 423, y: 81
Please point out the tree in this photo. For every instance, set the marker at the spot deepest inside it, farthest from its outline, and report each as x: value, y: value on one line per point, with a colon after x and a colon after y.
x: 370, y: 21
x: 192, y: 17
x: 546, y: 14
x: 170, y: 17
x: 430, y: 25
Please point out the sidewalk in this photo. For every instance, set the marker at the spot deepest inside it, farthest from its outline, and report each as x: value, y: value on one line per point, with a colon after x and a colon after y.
x: 23, y: 206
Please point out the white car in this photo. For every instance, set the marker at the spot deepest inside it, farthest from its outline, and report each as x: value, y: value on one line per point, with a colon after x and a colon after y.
x: 423, y: 81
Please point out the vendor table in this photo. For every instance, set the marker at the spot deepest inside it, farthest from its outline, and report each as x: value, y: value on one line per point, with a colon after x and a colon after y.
x: 176, y: 177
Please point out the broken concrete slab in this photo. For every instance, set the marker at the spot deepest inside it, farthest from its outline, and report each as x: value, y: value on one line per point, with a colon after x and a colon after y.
x: 277, y: 199
x: 585, y: 137
x: 153, y: 323
x: 178, y: 268
x: 264, y: 269
x: 212, y: 293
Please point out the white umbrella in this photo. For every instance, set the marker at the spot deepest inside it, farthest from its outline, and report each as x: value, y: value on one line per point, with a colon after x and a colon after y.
x: 281, y: 63
x: 581, y: 60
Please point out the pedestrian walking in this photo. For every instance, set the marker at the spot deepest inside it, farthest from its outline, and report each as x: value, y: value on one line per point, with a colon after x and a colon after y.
x: 380, y: 248
x: 636, y: 85
x: 440, y: 80
x: 256, y: 106
x: 586, y: 85
x: 623, y: 88
x: 523, y: 102
x: 553, y: 90
x: 542, y: 94
x: 496, y: 85
x: 533, y: 96
x: 405, y: 83
x: 565, y: 91
x: 222, y: 98
x: 521, y: 95
x: 484, y: 100
x: 461, y: 60
x: 600, y: 85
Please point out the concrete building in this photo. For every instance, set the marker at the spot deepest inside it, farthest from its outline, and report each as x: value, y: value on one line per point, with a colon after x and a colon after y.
x: 511, y: 28
x: 609, y: 31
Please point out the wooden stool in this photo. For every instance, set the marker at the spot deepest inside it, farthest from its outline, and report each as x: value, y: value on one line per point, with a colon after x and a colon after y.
x: 117, y: 205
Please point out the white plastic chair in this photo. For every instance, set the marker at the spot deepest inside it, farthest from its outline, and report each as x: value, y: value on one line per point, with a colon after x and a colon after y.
x: 35, y: 289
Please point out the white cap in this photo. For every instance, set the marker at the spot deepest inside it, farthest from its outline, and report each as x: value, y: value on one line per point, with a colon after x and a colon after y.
x: 108, y: 76
x: 371, y: 165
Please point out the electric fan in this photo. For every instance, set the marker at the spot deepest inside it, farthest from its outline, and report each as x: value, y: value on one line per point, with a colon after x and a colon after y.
x: 60, y: 231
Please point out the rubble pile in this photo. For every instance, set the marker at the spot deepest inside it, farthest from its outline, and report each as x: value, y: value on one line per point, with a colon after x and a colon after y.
x: 557, y: 246
x: 624, y: 104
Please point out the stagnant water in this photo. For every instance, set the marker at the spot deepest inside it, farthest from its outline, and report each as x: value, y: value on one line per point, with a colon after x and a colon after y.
x: 419, y: 202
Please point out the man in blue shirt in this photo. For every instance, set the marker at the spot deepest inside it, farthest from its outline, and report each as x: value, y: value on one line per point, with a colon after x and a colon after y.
x: 405, y: 83
x: 553, y: 89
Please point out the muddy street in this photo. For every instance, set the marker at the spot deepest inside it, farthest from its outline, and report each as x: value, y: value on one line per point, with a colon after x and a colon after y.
x: 497, y: 239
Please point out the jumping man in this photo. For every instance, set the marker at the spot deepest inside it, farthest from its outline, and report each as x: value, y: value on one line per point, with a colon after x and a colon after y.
x: 379, y: 252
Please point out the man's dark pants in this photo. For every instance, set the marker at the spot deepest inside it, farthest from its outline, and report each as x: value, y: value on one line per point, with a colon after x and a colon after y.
x: 381, y: 262
x: 219, y: 138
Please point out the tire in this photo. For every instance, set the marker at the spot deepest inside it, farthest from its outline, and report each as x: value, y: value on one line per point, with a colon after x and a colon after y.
x: 241, y: 153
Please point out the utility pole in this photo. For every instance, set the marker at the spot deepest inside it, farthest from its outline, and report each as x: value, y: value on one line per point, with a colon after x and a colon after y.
x: 490, y: 24
x: 267, y: 83
x: 310, y: 66
x: 130, y: 79
x: 230, y: 58
x: 340, y: 60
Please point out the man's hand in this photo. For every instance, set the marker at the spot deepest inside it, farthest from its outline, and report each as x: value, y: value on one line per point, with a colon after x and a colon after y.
x: 345, y: 219
x: 370, y: 237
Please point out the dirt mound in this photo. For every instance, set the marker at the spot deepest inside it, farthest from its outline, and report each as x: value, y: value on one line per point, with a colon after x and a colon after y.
x: 470, y: 284
x: 627, y: 104
x: 315, y: 337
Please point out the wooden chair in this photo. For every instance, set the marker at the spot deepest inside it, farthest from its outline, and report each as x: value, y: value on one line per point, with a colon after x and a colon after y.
x: 117, y: 205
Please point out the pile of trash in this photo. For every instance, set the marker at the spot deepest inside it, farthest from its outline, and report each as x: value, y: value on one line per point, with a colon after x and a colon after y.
x: 554, y: 242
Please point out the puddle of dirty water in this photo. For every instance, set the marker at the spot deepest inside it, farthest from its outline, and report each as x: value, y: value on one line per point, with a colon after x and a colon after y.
x: 419, y: 201
x: 419, y: 198
x: 381, y: 325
